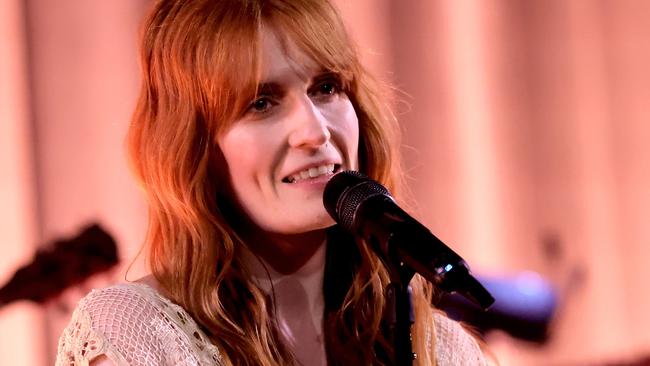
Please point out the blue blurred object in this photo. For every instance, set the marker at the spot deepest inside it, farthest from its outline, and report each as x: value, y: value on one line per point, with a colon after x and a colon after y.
x: 525, y: 295
x: 524, y: 306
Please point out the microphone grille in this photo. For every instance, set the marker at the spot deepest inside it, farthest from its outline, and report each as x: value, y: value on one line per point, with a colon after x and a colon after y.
x: 345, y: 193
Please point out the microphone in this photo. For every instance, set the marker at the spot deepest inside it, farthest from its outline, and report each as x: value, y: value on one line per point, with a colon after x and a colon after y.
x: 365, y: 208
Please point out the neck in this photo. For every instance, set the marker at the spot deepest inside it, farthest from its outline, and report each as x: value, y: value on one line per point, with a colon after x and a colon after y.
x: 294, y: 283
x: 286, y: 254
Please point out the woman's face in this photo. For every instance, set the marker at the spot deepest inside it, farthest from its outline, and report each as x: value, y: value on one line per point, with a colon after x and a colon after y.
x: 299, y: 130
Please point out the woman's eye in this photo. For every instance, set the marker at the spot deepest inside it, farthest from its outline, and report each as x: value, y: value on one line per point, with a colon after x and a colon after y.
x: 260, y: 105
x: 328, y: 88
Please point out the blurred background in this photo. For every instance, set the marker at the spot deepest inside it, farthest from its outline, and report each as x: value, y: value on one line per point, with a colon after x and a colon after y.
x: 526, y: 129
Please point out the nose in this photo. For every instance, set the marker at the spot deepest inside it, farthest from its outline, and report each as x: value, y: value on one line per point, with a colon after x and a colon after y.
x: 309, y: 128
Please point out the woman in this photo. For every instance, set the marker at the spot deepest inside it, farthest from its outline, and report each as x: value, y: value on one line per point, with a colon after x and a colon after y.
x: 247, y: 109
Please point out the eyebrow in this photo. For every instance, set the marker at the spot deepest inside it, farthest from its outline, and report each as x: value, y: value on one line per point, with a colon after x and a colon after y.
x: 325, y: 74
x: 276, y: 88
x: 270, y: 88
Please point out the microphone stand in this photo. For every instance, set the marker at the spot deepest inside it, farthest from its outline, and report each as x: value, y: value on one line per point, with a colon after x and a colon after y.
x: 400, y: 311
x: 447, y: 271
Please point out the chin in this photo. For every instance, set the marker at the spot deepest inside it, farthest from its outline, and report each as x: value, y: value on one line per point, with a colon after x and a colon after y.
x: 319, y: 223
x: 296, y: 221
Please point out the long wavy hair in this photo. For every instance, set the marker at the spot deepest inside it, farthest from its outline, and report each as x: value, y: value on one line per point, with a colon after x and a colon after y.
x: 201, y: 64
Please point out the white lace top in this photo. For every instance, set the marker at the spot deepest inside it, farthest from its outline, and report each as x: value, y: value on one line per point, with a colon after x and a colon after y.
x: 132, y: 324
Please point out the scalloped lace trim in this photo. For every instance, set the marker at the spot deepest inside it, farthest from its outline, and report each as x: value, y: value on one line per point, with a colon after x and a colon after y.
x: 133, y: 325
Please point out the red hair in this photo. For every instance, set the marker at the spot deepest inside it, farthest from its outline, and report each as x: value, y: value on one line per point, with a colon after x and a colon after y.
x: 201, y: 66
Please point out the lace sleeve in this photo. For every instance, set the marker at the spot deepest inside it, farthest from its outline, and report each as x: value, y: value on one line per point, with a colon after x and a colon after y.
x: 94, y: 322
x: 454, y: 345
x: 133, y: 326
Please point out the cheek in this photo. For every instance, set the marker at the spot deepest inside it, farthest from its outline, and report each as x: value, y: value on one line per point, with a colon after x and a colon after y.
x: 347, y: 124
x: 248, y: 151
x: 235, y: 156
x: 240, y: 160
x: 241, y: 154
x: 352, y: 126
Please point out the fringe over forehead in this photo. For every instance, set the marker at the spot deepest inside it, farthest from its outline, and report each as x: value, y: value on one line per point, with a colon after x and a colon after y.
x: 209, y: 53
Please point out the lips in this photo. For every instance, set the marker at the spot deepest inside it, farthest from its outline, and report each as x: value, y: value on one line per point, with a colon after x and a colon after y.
x: 311, y: 172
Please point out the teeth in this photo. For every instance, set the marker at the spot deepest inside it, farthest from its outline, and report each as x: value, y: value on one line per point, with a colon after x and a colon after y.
x: 312, y: 173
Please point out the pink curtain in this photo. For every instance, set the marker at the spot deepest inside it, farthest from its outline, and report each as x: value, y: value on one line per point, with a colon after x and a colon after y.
x: 525, y: 136
x: 69, y: 82
x: 19, y: 344
x: 526, y: 133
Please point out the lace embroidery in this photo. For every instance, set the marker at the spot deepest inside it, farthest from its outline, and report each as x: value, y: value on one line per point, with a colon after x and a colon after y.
x: 133, y: 325
x: 80, y: 342
x: 454, y: 345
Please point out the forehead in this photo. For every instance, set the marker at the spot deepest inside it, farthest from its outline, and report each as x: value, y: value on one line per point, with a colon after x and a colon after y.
x: 281, y: 57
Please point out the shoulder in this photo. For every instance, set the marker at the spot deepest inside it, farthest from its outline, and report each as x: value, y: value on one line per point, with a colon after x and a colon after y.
x: 124, y: 313
x: 132, y: 325
x: 454, y: 345
x: 120, y: 303
x: 108, y: 322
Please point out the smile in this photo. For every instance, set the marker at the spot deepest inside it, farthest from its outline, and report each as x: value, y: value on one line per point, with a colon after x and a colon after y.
x: 311, y: 173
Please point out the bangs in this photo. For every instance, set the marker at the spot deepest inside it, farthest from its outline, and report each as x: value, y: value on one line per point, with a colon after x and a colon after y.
x: 315, y: 29
x: 234, y: 66
x: 231, y: 67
